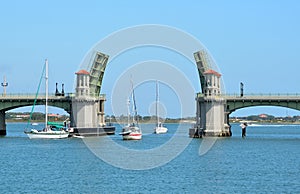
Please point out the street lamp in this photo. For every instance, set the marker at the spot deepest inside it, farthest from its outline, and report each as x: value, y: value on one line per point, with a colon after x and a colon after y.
x: 4, y: 84
x: 242, y: 89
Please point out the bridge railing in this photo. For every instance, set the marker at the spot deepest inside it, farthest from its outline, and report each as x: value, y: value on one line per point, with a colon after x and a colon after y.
x: 264, y: 94
x: 43, y: 95
x: 256, y: 95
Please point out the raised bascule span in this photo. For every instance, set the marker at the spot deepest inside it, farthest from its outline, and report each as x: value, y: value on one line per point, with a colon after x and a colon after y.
x: 203, y: 65
x: 97, y: 70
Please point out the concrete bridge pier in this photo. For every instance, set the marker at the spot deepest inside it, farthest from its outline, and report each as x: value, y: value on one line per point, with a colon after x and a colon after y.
x: 211, y: 118
x: 85, y: 115
x: 2, y: 123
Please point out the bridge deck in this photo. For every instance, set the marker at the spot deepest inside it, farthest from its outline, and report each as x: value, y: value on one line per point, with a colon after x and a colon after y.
x: 235, y: 102
x: 40, y: 96
x: 263, y: 97
x: 11, y: 101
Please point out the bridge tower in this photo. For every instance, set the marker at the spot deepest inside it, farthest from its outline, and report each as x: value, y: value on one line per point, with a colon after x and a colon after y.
x: 82, y: 105
x: 211, y: 119
x: 88, y: 105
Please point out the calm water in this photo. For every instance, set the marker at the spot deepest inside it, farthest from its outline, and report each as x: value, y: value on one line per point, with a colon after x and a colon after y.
x: 267, y: 160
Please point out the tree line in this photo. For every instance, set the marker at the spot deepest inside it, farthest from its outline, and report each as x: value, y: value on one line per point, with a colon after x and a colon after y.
x: 36, y: 116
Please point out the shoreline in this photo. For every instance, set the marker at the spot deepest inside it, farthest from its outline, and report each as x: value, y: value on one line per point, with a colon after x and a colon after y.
x: 172, y: 121
x: 268, y: 123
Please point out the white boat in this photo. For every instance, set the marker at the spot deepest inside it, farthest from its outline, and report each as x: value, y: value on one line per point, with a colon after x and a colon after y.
x: 160, y: 128
x: 132, y: 130
x: 49, y: 132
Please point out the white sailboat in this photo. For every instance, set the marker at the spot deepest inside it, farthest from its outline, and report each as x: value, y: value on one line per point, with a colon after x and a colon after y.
x: 160, y: 128
x: 132, y: 130
x: 49, y: 132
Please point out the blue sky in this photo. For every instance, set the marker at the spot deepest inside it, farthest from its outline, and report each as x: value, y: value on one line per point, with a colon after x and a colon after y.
x: 256, y: 42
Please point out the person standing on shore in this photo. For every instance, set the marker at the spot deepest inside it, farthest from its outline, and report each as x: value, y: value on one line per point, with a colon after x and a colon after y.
x: 243, y: 126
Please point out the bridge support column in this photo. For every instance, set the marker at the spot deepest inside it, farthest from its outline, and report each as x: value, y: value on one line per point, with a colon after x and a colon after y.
x: 211, y: 117
x: 88, y: 117
x: 2, y: 123
x: 100, y: 114
x: 85, y: 113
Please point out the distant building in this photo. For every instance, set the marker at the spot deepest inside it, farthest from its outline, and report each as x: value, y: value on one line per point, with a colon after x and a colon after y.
x: 22, y: 116
x: 263, y: 116
x: 54, y: 115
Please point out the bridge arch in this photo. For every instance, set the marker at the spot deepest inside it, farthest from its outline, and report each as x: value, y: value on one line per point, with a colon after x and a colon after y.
x: 59, y: 102
x: 12, y: 102
x: 234, y: 104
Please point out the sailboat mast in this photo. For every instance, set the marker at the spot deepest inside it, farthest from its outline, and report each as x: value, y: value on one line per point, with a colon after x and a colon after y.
x: 128, y: 111
x: 135, y: 117
x: 46, y: 88
x: 157, y: 101
x: 133, y: 111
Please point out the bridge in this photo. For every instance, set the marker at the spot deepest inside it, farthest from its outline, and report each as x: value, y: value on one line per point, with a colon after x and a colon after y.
x: 213, y: 110
x: 214, y: 107
x: 86, y: 106
x: 12, y: 101
x: 235, y: 102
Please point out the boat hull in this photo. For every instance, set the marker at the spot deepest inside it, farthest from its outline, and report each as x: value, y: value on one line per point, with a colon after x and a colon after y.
x: 132, y: 136
x: 131, y: 133
x: 160, y: 130
x: 47, y: 135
